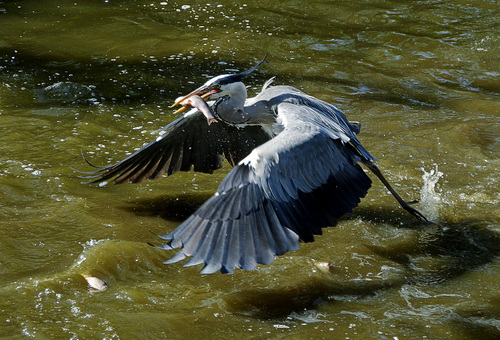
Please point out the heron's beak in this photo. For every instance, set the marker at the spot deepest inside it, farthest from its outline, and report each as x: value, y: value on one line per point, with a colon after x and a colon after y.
x: 196, y: 99
x: 200, y: 104
x: 203, y: 91
x: 184, y: 100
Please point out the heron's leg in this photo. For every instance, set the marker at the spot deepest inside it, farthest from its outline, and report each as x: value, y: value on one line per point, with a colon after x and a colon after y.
x: 375, y: 169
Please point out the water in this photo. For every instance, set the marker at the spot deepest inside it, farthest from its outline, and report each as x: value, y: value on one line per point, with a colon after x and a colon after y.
x: 98, y: 78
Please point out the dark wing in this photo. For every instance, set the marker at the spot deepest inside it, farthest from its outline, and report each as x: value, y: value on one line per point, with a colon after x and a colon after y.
x: 285, y: 191
x: 188, y: 142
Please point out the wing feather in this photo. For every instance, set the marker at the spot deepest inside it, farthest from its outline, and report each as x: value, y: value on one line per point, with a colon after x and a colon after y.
x: 270, y: 201
x: 187, y: 143
x: 284, y: 191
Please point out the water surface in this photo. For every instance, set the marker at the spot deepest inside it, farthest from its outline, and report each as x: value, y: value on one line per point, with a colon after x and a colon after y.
x: 98, y: 78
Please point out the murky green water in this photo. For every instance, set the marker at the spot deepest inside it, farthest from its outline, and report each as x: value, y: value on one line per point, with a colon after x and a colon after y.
x: 98, y: 76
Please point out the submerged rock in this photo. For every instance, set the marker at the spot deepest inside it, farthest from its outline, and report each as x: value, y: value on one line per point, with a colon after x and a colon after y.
x: 67, y: 92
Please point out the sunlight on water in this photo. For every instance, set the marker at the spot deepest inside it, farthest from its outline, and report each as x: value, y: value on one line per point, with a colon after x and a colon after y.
x: 430, y: 201
x: 87, y: 247
x: 96, y: 77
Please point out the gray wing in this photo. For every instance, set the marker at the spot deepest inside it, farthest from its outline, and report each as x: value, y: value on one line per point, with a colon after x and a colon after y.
x: 284, y: 192
x: 187, y: 143
x: 298, y: 107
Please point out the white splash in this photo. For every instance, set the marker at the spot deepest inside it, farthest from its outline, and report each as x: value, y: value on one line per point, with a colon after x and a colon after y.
x: 430, y: 200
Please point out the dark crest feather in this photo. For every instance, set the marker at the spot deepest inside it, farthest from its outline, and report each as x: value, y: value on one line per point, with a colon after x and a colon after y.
x: 242, y: 75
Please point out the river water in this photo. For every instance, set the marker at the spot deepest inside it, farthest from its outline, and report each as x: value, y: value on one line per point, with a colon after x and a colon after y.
x: 97, y: 77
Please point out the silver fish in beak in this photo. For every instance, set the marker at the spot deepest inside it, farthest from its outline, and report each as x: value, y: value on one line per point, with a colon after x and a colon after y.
x: 196, y: 99
x: 197, y: 102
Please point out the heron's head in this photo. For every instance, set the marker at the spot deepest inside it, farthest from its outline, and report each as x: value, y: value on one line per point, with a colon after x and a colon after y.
x: 225, y: 85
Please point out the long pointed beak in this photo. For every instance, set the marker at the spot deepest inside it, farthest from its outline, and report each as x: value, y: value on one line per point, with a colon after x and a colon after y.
x: 202, y: 91
x: 182, y: 100
x: 196, y: 99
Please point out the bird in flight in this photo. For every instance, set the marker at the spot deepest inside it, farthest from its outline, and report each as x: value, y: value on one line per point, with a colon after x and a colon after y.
x: 295, y: 171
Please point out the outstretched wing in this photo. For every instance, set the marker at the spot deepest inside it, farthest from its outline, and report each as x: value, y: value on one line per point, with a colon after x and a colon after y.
x: 284, y: 192
x: 187, y: 143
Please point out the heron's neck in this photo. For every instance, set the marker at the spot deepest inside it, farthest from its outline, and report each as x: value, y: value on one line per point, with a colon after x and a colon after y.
x: 239, y: 95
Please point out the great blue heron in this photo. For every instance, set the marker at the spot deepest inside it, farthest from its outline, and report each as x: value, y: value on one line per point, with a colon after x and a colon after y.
x: 295, y: 172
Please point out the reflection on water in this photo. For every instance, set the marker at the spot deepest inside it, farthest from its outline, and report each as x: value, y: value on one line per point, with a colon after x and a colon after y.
x: 98, y: 77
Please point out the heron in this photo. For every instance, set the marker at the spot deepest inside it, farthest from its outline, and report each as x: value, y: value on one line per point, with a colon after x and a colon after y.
x: 296, y: 170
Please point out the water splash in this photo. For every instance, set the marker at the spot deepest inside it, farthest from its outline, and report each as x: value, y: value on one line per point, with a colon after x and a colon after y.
x: 430, y: 200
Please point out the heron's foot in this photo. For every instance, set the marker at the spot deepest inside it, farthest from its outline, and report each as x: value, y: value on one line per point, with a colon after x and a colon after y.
x: 414, y: 201
x: 413, y: 211
x: 405, y: 205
